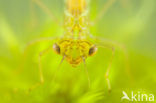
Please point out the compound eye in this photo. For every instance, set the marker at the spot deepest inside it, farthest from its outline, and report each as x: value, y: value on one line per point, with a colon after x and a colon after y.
x: 92, y: 50
x: 56, y: 48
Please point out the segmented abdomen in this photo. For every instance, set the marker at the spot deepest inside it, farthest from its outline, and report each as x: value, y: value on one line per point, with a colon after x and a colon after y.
x: 76, y: 6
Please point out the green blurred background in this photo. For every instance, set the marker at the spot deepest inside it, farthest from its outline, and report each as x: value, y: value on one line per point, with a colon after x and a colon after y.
x: 130, y: 22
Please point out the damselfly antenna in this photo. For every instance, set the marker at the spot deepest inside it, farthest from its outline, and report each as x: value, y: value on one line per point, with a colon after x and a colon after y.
x: 86, y: 70
x: 58, y: 68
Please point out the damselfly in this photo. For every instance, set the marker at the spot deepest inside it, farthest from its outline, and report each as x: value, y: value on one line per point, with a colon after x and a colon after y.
x: 77, y: 42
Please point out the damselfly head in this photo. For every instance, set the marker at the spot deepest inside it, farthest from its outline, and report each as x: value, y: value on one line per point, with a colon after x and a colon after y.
x: 74, y: 51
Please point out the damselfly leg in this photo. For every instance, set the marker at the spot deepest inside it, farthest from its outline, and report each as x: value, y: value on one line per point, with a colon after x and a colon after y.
x: 112, y: 45
x: 109, y: 65
x: 46, y: 10
x: 107, y: 6
x: 44, y: 52
x: 104, y: 10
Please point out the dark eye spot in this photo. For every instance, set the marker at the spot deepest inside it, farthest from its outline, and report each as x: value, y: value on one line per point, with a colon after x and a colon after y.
x: 56, y: 48
x: 92, y: 50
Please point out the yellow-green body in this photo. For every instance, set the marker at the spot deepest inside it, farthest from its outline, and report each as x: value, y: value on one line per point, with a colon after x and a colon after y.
x: 74, y: 45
